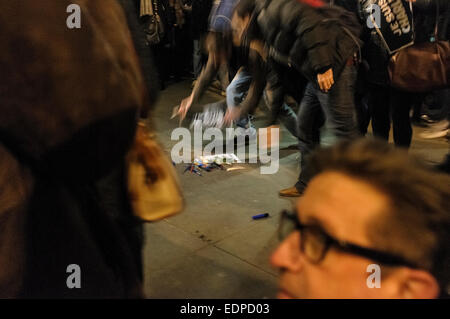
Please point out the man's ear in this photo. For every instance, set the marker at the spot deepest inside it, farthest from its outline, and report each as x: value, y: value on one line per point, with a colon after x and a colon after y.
x: 418, y: 284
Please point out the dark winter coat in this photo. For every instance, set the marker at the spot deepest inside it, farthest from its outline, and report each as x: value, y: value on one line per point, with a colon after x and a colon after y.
x: 311, y: 40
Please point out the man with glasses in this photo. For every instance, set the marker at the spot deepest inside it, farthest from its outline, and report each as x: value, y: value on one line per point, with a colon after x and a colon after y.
x: 368, y: 204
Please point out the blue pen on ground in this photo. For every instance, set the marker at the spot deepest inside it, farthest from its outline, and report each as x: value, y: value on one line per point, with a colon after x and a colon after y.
x: 260, y: 216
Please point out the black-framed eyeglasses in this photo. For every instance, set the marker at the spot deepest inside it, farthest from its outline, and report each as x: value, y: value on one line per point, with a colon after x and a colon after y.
x: 315, y: 243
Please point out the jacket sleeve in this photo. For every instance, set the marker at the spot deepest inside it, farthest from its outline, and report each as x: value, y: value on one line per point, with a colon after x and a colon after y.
x: 318, y: 51
x: 205, y: 78
x: 311, y: 34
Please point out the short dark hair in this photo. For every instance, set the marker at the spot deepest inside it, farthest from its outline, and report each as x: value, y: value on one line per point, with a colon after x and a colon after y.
x: 417, y: 226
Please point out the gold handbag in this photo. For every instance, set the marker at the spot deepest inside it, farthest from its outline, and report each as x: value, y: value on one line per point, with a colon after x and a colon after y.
x: 153, y: 185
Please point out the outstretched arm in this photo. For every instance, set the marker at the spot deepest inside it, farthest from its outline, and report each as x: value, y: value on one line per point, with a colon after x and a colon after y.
x: 258, y: 72
x: 204, y: 80
x: 257, y: 69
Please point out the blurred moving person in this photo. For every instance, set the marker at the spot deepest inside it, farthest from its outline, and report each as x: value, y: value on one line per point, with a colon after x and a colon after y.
x: 322, y: 44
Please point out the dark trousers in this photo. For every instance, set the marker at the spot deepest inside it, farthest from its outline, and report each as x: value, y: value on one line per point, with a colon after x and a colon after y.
x: 387, y: 103
x: 335, y: 110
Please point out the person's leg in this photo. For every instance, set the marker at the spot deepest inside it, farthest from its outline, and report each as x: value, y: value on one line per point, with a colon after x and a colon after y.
x: 362, y: 112
x: 336, y: 110
x: 417, y: 112
x: 361, y: 101
x: 223, y: 76
x: 437, y: 120
x: 339, y: 108
x: 286, y: 115
x: 237, y: 91
x: 442, y: 105
x: 289, y: 119
x: 197, y: 58
x: 159, y: 53
x: 308, y: 117
x: 379, y: 107
x: 401, y: 103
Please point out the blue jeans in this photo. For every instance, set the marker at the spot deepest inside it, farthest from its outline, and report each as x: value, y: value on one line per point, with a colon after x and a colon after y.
x: 197, y: 57
x: 335, y: 111
x: 236, y: 93
x: 286, y: 115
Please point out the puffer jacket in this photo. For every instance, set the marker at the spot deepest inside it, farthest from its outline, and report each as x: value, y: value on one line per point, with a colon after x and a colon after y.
x: 309, y: 39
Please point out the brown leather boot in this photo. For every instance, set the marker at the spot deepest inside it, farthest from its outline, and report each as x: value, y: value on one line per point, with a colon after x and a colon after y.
x: 290, y: 192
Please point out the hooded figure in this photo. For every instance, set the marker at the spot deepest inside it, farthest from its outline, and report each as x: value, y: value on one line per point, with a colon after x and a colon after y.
x: 69, y: 103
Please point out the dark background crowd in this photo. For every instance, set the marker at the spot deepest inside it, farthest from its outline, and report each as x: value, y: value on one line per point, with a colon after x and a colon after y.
x: 184, y: 24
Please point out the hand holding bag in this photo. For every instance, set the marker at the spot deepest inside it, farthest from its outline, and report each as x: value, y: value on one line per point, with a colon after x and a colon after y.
x: 153, y: 186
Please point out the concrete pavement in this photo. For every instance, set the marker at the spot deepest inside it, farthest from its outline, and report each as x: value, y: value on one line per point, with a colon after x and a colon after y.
x: 214, y: 249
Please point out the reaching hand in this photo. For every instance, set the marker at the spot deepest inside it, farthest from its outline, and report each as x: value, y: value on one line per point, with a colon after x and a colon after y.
x: 232, y: 114
x: 184, y: 107
x: 325, y: 80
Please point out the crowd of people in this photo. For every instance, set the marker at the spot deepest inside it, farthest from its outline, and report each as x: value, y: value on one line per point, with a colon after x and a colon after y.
x: 71, y: 101
x: 337, y: 71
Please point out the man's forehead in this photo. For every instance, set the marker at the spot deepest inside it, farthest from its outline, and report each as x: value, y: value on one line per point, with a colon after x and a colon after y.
x: 344, y: 206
